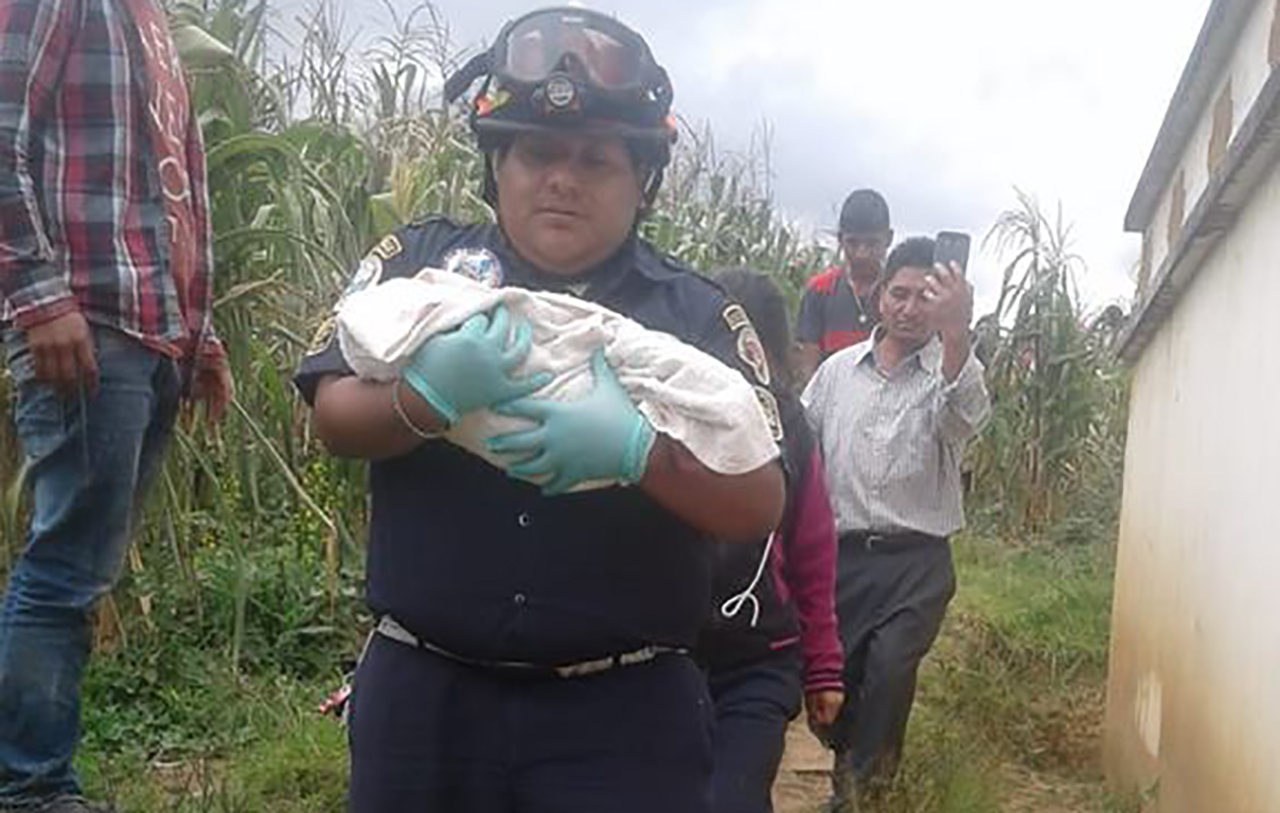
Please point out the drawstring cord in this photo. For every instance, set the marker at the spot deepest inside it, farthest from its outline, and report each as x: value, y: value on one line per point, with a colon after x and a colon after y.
x: 734, y: 605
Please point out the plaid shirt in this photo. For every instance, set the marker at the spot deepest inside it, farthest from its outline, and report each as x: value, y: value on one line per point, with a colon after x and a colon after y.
x: 82, y: 221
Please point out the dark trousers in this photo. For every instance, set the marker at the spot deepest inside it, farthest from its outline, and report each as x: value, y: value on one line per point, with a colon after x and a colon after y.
x: 891, y: 595
x: 430, y: 735
x: 754, y: 705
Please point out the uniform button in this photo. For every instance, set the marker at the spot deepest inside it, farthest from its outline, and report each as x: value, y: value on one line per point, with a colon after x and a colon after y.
x: 524, y: 520
x: 520, y: 599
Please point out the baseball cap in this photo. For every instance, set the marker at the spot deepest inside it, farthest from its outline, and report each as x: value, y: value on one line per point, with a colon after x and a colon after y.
x: 864, y: 212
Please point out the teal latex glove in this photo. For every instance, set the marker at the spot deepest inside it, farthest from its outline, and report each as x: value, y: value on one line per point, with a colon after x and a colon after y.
x: 600, y: 437
x: 470, y: 368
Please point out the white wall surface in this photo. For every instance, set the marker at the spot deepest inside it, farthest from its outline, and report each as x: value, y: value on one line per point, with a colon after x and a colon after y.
x: 1248, y: 72
x: 1194, y: 690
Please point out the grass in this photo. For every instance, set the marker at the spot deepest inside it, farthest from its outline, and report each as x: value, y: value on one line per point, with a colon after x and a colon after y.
x: 1007, y: 716
x: 271, y: 750
x: 172, y: 725
x: 1009, y: 709
x: 1011, y: 700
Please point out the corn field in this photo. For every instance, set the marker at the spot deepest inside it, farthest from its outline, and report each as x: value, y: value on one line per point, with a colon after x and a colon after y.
x: 1054, y: 450
x: 252, y: 542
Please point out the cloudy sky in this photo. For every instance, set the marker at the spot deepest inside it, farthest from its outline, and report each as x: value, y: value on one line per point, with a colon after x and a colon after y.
x: 944, y: 106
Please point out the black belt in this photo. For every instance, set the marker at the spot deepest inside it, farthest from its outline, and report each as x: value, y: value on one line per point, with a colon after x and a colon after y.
x: 388, y: 627
x: 889, y: 540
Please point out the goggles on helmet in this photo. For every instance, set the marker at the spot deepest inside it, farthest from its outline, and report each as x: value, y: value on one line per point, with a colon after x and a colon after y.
x: 563, y: 65
x: 606, y: 53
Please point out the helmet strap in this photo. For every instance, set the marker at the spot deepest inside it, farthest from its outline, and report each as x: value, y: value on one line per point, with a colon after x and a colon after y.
x: 479, y: 65
x: 489, y: 190
x: 651, y: 187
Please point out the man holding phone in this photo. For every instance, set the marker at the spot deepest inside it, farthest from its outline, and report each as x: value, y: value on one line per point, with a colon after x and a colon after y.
x: 893, y: 416
x: 838, y: 309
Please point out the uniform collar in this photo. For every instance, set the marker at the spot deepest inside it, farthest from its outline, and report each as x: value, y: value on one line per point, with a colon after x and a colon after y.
x: 598, y: 280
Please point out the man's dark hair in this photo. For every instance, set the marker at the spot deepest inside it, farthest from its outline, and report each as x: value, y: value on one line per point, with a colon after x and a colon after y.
x: 767, y: 310
x: 914, y: 252
x: 864, y: 212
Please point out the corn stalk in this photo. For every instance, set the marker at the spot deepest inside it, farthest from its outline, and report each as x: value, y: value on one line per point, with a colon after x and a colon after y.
x: 1056, y: 391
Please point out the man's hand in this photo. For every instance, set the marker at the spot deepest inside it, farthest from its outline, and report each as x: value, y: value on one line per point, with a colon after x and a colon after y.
x: 821, y: 709
x: 214, y: 387
x: 63, y: 352
x: 950, y: 308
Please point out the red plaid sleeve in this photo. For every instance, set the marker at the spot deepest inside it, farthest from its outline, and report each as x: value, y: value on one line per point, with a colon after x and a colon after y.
x: 35, y: 36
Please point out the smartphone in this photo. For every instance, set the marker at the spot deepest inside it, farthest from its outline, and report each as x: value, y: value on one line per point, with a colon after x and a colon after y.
x: 952, y: 247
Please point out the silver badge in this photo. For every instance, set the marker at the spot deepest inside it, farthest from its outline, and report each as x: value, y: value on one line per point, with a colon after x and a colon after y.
x: 479, y: 264
x: 368, y: 274
x: 561, y: 92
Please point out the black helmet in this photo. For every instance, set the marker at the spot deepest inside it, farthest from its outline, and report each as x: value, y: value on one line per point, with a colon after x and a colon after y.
x: 570, y: 68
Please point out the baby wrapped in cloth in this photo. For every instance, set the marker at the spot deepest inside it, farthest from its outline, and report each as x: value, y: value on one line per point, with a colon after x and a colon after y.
x: 697, y: 400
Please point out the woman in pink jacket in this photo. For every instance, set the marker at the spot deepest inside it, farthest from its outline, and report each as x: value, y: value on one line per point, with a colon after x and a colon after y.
x: 771, y: 641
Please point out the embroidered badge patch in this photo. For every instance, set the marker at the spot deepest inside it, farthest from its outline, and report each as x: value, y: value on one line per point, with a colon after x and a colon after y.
x: 735, y: 316
x: 750, y: 348
x: 389, y: 247
x: 751, y: 351
x: 323, y: 335
x: 479, y: 264
x: 772, y: 413
x: 367, y: 275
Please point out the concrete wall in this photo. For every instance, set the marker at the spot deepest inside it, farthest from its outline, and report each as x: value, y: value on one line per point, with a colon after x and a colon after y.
x: 1194, y: 690
x: 1248, y: 72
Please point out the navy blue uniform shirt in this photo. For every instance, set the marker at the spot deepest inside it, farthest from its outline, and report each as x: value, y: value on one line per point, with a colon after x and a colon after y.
x: 484, y: 565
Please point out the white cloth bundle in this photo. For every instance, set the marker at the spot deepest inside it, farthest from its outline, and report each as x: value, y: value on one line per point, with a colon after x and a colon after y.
x: 686, y: 394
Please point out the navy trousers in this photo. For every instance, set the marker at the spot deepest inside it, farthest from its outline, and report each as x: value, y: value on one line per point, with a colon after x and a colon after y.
x: 430, y: 735
x: 754, y: 706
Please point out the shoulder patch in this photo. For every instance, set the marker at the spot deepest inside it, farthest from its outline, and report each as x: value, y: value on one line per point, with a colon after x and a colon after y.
x: 389, y: 247
x: 751, y: 351
x: 750, y: 348
x: 323, y: 334
x: 772, y: 414
x: 367, y: 275
x: 735, y: 316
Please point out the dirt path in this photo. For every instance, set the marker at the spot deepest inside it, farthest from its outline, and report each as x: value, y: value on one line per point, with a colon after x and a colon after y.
x: 803, y: 781
x: 803, y: 784
x: 1029, y: 792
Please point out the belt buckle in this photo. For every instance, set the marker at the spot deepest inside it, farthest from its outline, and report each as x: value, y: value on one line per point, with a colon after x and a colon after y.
x: 595, y: 667
x: 874, y: 540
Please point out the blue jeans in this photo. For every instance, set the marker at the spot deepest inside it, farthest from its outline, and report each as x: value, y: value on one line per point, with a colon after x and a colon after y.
x: 88, y: 459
